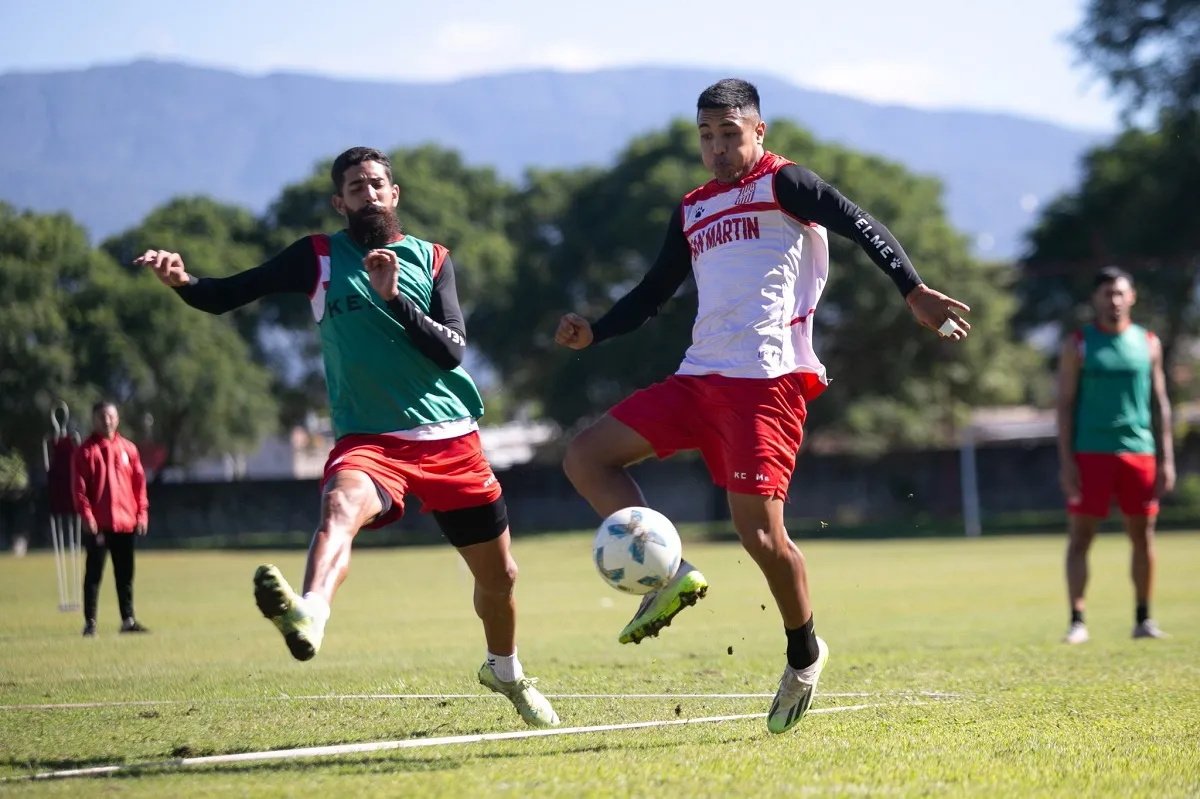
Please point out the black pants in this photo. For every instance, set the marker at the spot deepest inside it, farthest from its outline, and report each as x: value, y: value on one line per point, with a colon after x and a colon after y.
x: 121, y: 547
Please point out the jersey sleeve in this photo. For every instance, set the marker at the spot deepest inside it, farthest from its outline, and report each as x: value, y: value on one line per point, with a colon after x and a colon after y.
x: 802, y: 194
x: 294, y: 270
x: 441, y: 335
x: 666, y: 275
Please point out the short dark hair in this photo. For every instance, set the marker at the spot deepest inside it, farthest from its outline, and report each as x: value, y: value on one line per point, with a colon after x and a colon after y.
x: 730, y: 93
x: 101, y: 405
x: 353, y: 157
x: 1111, y: 274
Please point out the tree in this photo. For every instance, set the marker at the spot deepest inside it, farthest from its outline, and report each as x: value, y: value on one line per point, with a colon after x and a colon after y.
x: 74, y: 327
x: 893, y: 382
x: 189, y: 371
x: 1149, y: 51
x: 1136, y: 206
x: 217, y: 240
x: 45, y: 262
x: 504, y: 321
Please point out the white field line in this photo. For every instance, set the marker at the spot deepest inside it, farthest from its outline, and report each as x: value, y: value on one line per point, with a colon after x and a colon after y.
x: 378, y: 697
x: 411, y: 743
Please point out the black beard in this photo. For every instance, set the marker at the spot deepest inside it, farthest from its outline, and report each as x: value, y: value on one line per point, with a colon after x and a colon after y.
x: 372, y: 226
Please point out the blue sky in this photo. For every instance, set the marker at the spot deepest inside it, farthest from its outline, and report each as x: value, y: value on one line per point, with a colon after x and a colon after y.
x: 1009, y: 56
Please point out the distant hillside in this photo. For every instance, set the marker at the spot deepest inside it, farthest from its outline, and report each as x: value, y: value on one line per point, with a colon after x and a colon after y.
x: 107, y: 144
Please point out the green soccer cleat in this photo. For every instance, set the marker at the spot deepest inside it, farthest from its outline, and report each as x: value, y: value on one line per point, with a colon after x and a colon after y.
x: 686, y: 588
x: 279, y: 603
x: 534, y: 708
x: 797, y: 687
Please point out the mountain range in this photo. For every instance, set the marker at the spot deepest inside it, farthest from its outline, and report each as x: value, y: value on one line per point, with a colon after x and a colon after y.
x: 109, y: 143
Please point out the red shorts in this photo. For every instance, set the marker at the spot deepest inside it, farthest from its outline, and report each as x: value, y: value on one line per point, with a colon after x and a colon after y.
x: 446, y: 474
x: 1131, y: 477
x: 748, y: 431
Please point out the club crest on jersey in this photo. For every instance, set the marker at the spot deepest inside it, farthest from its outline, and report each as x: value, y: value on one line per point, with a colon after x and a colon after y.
x: 746, y: 195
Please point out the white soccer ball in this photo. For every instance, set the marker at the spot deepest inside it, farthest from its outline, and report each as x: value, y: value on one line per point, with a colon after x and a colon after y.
x: 637, y: 550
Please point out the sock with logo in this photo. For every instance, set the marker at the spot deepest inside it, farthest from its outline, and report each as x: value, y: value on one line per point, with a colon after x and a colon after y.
x: 507, y: 667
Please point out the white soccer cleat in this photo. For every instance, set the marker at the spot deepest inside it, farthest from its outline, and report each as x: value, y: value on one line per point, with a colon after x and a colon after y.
x: 1078, y: 634
x: 533, y: 708
x: 797, y: 687
x: 1148, y: 629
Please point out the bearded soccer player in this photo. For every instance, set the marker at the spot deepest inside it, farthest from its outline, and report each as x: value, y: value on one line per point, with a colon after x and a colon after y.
x: 404, y: 411
x: 756, y: 239
x: 1114, y: 440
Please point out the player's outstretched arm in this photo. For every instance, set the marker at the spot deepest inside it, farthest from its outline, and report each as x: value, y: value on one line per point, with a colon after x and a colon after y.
x: 664, y: 278
x: 440, y: 335
x: 294, y: 270
x: 803, y: 194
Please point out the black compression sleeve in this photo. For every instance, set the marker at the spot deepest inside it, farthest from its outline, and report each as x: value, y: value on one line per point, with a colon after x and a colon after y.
x: 291, y: 271
x: 802, y: 194
x: 670, y: 269
x: 441, y: 335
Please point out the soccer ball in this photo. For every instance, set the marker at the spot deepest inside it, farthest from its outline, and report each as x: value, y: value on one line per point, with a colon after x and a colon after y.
x: 637, y: 550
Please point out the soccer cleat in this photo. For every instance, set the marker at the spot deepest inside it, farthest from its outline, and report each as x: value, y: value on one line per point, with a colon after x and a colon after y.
x: 534, y: 708
x: 89, y: 629
x: 132, y: 625
x: 658, y: 608
x: 797, y: 687
x: 279, y: 603
x: 1148, y: 629
x: 1078, y: 634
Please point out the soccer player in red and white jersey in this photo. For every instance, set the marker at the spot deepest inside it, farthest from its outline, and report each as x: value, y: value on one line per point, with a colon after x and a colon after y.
x: 756, y: 240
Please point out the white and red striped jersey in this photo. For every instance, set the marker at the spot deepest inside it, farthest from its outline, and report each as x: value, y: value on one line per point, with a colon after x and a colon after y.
x: 759, y: 251
x: 759, y: 273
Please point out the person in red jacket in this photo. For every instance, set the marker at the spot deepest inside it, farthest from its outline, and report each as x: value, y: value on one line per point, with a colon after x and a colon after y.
x: 110, y: 497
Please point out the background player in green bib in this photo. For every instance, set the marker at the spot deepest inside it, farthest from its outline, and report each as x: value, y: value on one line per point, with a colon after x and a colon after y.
x: 1114, y: 440
x: 404, y: 411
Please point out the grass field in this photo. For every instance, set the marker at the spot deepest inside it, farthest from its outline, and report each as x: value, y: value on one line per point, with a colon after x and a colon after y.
x: 977, y: 622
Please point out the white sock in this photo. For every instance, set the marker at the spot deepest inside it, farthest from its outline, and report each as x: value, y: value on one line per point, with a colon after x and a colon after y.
x: 507, y: 667
x: 316, y: 607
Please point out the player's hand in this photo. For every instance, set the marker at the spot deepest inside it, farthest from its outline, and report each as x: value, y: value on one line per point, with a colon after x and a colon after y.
x: 383, y: 270
x: 141, y: 528
x: 1165, y: 482
x: 574, y: 331
x: 933, y: 309
x: 89, y: 524
x: 1068, y: 479
x: 167, y: 267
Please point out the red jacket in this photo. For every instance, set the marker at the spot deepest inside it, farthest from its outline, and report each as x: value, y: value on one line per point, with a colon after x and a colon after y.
x: 109, y: 484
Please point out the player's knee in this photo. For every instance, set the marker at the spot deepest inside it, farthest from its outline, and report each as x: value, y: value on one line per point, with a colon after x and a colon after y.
x: 1142, y: 539
x: 1079, y: 542
x: 500, y: 580
x: 338, y: 509
x: 580, y: 460
x: 764, y: 544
